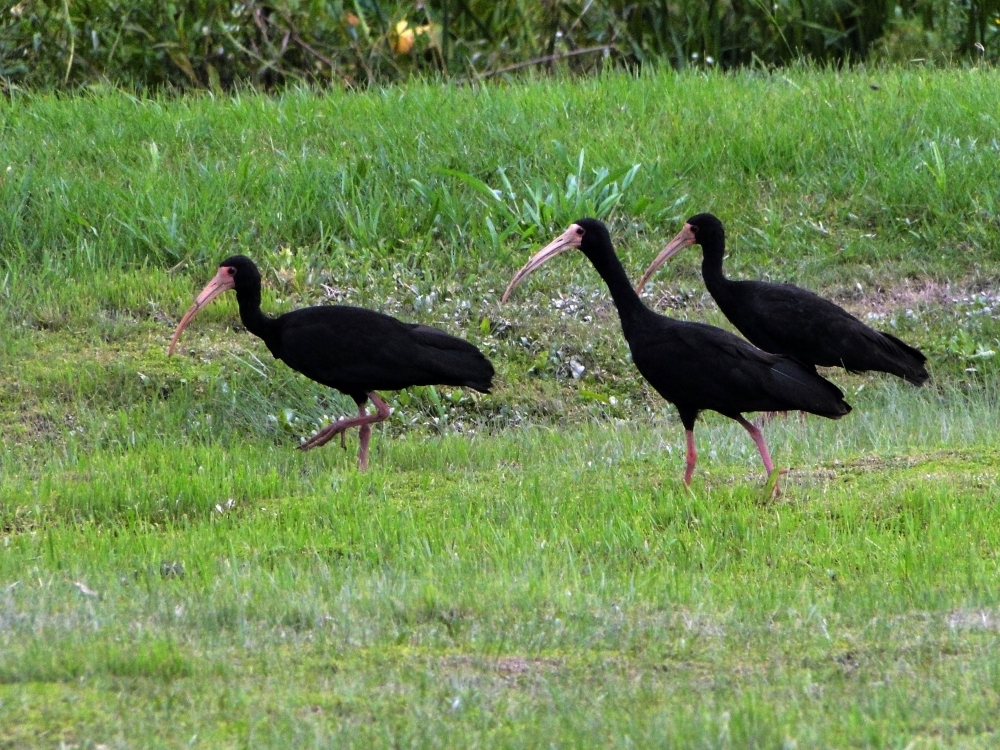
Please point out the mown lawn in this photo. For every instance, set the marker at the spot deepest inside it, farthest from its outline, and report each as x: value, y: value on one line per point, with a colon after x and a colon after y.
x: 524, y: 568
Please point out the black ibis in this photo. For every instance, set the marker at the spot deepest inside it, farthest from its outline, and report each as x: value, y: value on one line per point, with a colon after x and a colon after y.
x: 693, y: 365
x: 354, y: 350
x: 786, y: 319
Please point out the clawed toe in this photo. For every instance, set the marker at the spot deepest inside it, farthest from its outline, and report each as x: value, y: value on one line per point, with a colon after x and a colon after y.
x: 772, y: 486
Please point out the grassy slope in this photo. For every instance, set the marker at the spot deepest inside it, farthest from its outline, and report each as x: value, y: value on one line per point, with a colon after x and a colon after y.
x: 549, y: 583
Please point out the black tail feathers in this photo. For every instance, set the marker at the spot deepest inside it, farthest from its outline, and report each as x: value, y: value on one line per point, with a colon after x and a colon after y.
x: 908, y: 361
x: 806, y: 390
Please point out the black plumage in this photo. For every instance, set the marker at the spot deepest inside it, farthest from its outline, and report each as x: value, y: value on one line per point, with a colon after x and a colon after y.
x: 693, y: 365
x: 786, y: 319
x: 354, y: 350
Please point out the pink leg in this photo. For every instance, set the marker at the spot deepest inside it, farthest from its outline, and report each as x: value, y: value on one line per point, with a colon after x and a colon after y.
x: 365, y: 433
x: 339, y: 427
x: 692, y: 456
x: 762, y: 447
x: 758, y: 438
x: 363, y: 420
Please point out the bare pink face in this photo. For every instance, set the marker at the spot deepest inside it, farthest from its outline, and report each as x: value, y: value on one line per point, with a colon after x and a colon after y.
x: 225, y: 279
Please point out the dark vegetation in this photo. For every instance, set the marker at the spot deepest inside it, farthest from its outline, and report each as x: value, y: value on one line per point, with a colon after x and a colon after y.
x: 205, y: 44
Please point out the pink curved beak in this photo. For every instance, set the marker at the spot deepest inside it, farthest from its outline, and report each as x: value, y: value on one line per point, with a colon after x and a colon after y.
x: 685, y: 238
x: 568, y: 240
x: 222, y: 282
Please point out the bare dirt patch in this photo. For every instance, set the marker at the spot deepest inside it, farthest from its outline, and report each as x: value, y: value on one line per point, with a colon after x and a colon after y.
x: 973, y: 619
x: 877, y: 301
x: 907, y: 295
x: 515, y: 666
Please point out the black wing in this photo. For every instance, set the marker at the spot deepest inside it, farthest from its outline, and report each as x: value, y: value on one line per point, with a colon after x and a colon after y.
x: 698, y: 366
x: 786, y: 319
x: 357, y: 350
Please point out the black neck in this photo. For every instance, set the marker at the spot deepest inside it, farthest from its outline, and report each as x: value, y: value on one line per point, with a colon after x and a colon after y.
x: 254, y: 320
x: 610, y: 268
x: 711, y: 266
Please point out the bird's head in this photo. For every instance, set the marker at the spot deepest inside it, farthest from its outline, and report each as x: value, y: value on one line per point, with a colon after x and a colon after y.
x: 236, y: 272
x: 587, y: 235
x: 704, y: 229
x: 707, y: 229
x: 241, y: 272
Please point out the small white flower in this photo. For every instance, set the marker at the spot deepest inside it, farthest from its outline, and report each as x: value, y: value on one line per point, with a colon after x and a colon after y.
x: 84, y: 589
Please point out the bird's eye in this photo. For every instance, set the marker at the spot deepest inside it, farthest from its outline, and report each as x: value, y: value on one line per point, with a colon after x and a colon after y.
x: 579, y: 231
x: 231, y: 271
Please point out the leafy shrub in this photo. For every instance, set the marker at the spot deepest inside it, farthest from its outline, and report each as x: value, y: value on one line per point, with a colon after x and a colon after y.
x: 214, y: 45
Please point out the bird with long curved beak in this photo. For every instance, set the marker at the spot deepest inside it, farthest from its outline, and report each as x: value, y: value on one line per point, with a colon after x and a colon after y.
x: 694, y: 366
x: 225, y: 279
x: 789, y: 320
x: 353, y: 350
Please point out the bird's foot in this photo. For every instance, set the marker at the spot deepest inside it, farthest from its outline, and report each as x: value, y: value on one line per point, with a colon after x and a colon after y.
x: 327, y: 434
x: 771, y: 487
x: 363, y: 421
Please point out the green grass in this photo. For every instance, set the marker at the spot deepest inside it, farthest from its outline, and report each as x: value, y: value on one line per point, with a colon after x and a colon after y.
x: 125, y: 182
x: 517, y: 569
x: 553, y: 583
